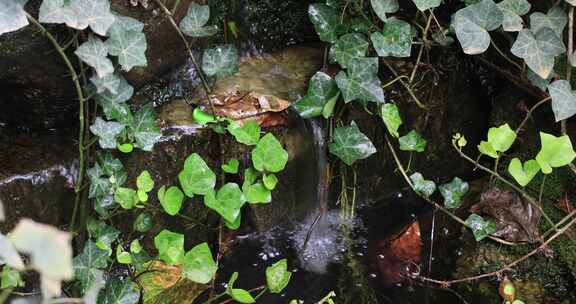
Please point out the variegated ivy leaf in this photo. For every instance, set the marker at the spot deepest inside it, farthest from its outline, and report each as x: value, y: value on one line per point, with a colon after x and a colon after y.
x: 125, y: 24
x: 221, y: 61
x: 555, y: 19
x: 130, y: 47
x: 12, y: 15
x: 326, y: 20
x: 422, y: 186
x: 383, y: 7
x: 472, y: 24
x: 538, y: 49
x: 93, y: 52
x: 347, y: 47
x: 93, y: 13
x: 563, y: 99
x: 395, y: 40
x: 144, y: 128
x: 361, y: 81
x: 107, y: 131
x: 114, y: 104
x: 57, y: 11
x: 423, y: 5
x: 350, y: 144
x: 108, y: 83
x: 513, y: 10
x: 193, y: 23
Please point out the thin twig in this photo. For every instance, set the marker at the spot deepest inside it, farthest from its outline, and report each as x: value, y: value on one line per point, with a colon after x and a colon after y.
x: 529, y: 114
x: 504, y: 55
x: 506, y: 267
x: 406, y: 86
x: 424, y: 39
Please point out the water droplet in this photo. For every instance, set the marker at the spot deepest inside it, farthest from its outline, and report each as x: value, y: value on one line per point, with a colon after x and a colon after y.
x: 372, y: 275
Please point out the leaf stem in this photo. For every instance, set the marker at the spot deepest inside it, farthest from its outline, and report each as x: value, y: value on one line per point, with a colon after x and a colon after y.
x: 406, y: 86
x: 425, y: 40
x: 81, y: 100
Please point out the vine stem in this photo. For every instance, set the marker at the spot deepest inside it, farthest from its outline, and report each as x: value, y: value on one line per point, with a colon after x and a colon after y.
x: 529, y: 114
x: 506, y: 267
x: 425, y: 40
x: 170, y: 17
x: 81, y: 100
x: 569, y: 67
x: 406, y: 86
x: 438, y: 206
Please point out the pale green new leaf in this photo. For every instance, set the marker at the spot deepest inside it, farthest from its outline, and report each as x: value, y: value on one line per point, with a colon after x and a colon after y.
x: 269, y: 155
x: 171, y: 199
x: 199, y: 265
x: 391, y: 117
x: 383, y: 7
x: 239, y: 295
x: 231, y: 166
x: 480, y: 228
x: 349, y: 46
x: 395, y: 39
x: 523, y: 174
x: 501, y: 138
x: 93, y: 13
x: 270, y: 181
x: 472, y: 24
x: 107, y: 131
x: 412, y: 141
x: 361, y: 81
x: 422, y: 186
x: 144, y: 181
x: 563, y: 99
x: 555, y: 19
x: 423, y: 5
x: 453, y: 192
x: 248, y: 134
x: 196, y: 177
x: 130, y: 47
x: 170, y: 246
x: 126, y: 197
x: 257, y: 193
x: 278, y: 276
x: 12, y: 16
x: 538, y: 49
x: 227, y: 201
x: 350, y: 145
x: 554, y: 152
x: 512, y: 11
x: 326, y: 21
x: 220, y: 61
x: 94, y: 53
x: 49, y: 248
x: 486, y: 148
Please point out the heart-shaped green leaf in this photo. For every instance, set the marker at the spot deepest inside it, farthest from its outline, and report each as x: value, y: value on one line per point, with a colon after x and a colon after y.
x: 126, y: 197
x: 171, y: 199
x: 480, y: 228
x: 391, y: 117
x: 107, y: 131
x: 257, y: 194
x: 143, y: 222
x: 472, y: 24
x: 144, y: 181
x: 199, y: 265
x: 326, y: 21
x: 193, y: 24
x: 170, y: 246
x: 395, y: 39
x: 563, y: 99
x: 269, y: 155
x: 350, y: 145
x: 231, y: 166
x: 523, y: 174
x: 349, y: 46
x: 248, y: 134
x: 422, y: 186
x: 270, y: 181
x: 227, y: 202
x: 453, y: 192
x: 554, y: 152
x: 278, y: 276
x: 239, y: 295
x: 412, y: 141
x: 360, y: 81
x: 144, y: 128
x: 196, y: 177
x: 321, y: 90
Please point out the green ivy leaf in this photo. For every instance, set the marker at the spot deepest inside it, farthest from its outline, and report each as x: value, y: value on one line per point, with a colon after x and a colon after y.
x: 227, y: 202
x: 103, y: 234
x: 126, y: 197
x: 135, y: 247
x: 270, y: 181
x: 347, y: 47
x: 94, y: 53
x: 423, y: 5
x: 10, y: 278
x: 193, y: 23
x: 143, y: 222
x: 453, y: 192
x: 171, y: 199
x: 278, y: 276
x: 124, y: 24
x: 142, y: 198
x: 231, y: 167
x: 326, y: 21
x: 554, y: 152
x: 234, y: 225
x: 144, y: 128
x: 125, y: 148
x: 412, y: 141
x: 472, y: 24
x: 395, y: 39
x: 114, y: 103
x: 93, y: 13
x: 501, y: 138
x: 248, y: 134
x: 328, y: 109
x: 350, y: 144
x: 119, y: 291
x: 123, y: 257
x: 563, y: 99
x: 107, y: 83
x: 130, y: 47
x: 220, y: 61
x: 523, y: 174
x: 199, y: 265
x: 383, y: 7
x: 486, y: 148
x: 512, y: 11
x: 538, y: 49
x: 144, y: 181
x: 422, y: 186
x: 170, y: 246
x: 321, y: 90
x: 12, y: 16
x: 555, y: 19
x: 57, y: 11
x: 269, y: 155
x: 257, y: 194
x: 480, y: 228
x: 391, y: 117
x: 361, y: 81
x: 239, y: 295
x: 107, y: 131
x: 196, y: 177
